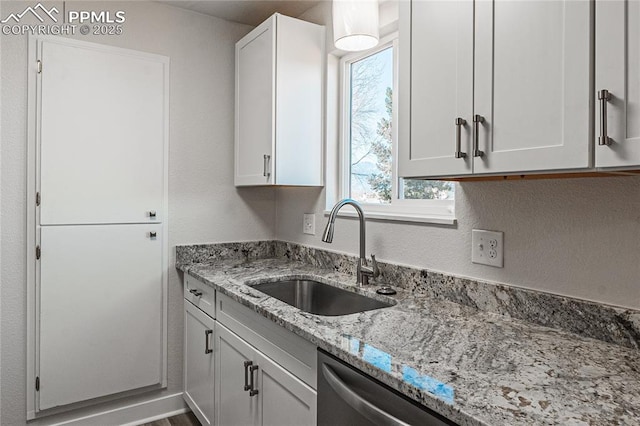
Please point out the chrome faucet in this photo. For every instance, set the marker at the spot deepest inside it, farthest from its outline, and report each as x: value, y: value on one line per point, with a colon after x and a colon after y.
x: 364, y: 272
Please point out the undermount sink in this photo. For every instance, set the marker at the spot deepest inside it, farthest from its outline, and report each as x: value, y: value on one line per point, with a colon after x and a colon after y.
x: 318, y: 298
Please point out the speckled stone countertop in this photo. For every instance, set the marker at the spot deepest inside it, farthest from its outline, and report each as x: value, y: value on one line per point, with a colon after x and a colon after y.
x: 473, y: 367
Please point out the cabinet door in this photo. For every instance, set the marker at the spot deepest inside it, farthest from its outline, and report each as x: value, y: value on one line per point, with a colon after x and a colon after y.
x: 255, y: 106
x: 532, y: 85
x: 618, y: 71
x: 299, y: 86
x: 100, y: 304
x: 436, y: 87
x: 284, y: 400
x: 235, y: 406
x: 101, y: 135
x: 199, y: 377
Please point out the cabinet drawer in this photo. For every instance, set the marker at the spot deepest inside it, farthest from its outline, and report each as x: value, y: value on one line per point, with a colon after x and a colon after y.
x: 200, y: 294
x: 292, y: 352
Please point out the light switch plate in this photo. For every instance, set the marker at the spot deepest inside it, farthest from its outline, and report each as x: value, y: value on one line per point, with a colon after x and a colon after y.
x: 487, y: 247
x: 309, y: 224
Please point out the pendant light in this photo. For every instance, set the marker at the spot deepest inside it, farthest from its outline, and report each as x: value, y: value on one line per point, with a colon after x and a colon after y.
x: 355, y: 24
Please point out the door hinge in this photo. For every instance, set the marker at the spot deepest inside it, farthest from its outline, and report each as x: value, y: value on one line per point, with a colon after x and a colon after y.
x: 37, y: 198
x: 37, y: 383
x: 39, y: 66
x: 38, y: 253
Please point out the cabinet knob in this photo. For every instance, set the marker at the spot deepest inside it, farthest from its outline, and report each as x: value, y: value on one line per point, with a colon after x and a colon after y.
x: 153, y: 234
x: 152, y: 214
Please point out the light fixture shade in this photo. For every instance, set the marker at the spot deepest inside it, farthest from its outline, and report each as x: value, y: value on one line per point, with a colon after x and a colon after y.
x: 355, y: 24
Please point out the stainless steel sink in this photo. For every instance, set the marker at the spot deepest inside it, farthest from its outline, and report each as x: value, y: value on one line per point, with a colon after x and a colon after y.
x: 318, y: 298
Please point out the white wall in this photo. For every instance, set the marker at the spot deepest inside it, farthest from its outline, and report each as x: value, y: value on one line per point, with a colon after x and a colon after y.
x: 204, y: 206
x: 575, y: 237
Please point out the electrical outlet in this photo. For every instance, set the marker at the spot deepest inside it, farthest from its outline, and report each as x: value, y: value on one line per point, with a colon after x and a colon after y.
x: 487, y: 247
x: 309, y: 224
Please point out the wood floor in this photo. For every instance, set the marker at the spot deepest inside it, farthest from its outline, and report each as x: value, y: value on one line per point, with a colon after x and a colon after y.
x: 187, y: 419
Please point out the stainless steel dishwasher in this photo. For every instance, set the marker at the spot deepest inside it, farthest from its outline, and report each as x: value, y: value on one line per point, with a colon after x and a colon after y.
x: 349, y: 397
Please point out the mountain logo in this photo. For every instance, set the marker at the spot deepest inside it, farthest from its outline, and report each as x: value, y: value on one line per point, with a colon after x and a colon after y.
x: 38, y: 11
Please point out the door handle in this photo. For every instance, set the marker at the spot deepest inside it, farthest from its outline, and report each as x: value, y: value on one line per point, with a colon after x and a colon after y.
x: 459, y: 123
x: 361, y: 405
x: 207, y: 340
x: 477, y: 119
x: 247, y: 364
x: 195, y: 292
x: 603, y: 96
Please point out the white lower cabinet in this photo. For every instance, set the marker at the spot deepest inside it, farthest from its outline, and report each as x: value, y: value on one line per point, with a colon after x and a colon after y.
x: 241, y: 369
x: 233, y: 357
x: 254, y: 390
x: 199, y: 365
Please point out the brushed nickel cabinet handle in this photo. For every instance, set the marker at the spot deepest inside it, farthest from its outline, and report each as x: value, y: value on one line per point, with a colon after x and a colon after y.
x: 459, y: 123
x: 265, y: 165
x: 477, y: 119
x: 247, y: 364
x: 252, y: 391
x: 207, y: 341
x: 603, y: 96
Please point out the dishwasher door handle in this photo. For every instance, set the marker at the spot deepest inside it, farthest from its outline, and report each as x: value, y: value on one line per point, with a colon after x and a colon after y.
x: 358, y: 403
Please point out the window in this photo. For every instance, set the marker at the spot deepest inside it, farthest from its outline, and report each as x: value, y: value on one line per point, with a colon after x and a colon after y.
x: 368, y: 142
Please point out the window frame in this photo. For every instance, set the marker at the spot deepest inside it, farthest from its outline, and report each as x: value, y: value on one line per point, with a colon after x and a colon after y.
x: 399, y: 209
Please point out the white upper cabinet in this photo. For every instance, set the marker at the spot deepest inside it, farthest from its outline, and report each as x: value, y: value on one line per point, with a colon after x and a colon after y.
x: 102, y: 133
x: 278, y: 122
x: 618, y: 75
x: 516, y: 101
x: 436, y: 86
x: 532, y: 85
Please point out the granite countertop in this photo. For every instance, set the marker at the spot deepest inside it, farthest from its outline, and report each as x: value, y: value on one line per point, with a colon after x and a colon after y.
x: 473, y: 367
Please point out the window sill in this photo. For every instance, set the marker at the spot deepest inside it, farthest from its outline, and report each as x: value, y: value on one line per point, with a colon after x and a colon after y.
x: 400, y: 217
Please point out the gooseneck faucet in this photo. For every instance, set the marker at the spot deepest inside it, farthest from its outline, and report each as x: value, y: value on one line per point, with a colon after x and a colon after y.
x: 364, y: 272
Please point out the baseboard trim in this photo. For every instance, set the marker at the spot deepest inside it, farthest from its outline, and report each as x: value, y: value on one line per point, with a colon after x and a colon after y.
x: 159, y: 417
x: 135, y: 414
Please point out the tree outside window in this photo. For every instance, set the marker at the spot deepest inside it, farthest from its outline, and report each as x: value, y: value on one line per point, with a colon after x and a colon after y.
x: 372, y: 161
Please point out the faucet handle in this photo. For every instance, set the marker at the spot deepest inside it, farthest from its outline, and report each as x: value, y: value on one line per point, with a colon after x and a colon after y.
x: 374, y: 264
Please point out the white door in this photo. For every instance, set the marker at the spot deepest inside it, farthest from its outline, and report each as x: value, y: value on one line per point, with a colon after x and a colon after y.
x: 235, y: 405
x: 100, y: 311
x: 532, y: 85
x: 102, y: 133
x: 199, y: 377
x: 255, y: 106
x: 436, y: 88
x: 284, y: 399
x: 618, y: 72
